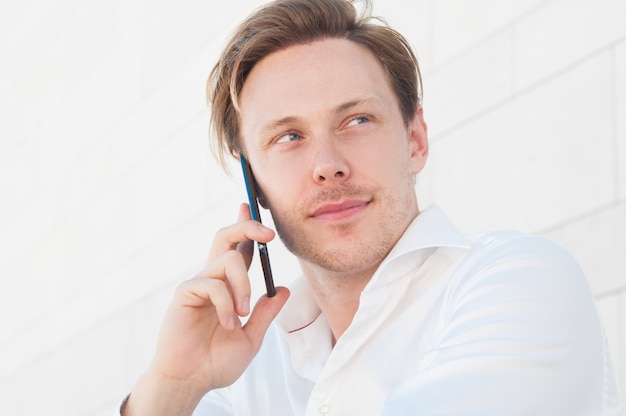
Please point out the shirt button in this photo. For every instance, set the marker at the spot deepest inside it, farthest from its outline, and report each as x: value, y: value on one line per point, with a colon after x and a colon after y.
x: 324, y: 408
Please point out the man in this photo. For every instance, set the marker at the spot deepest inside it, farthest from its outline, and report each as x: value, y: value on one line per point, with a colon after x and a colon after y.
x: 396, y: 313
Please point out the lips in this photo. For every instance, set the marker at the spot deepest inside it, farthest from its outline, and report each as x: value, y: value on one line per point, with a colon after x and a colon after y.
x: 339, y: 210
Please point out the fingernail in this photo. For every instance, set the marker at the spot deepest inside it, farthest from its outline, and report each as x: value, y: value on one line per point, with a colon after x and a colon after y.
x: 264, y: 228
x: 245, y: 305
x: 230, y: 324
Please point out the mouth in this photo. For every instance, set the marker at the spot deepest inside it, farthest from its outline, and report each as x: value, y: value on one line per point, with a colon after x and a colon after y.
x: 340, y: 210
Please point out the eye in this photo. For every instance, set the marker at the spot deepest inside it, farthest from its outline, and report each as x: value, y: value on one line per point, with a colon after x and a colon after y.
x: 357, y: 120
x: 288, y: 137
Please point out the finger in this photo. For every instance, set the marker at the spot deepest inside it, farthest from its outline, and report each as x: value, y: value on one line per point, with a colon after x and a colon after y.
x: 229, y: 237
x: 200, y: 292
x: 231, y: 268
x: 247, y: 251
x: 247, y: 247
x: 265, y: 311
x: 244, y: 212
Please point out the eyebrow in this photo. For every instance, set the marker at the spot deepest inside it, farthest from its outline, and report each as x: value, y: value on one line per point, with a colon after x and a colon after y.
x: 353, y: 103
x: 276, y: 124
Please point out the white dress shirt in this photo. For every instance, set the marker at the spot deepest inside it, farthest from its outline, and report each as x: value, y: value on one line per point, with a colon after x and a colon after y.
x: 491, y: 324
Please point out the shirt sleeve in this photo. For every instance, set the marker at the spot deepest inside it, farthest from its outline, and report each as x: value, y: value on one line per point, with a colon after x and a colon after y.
x: 519, y: 335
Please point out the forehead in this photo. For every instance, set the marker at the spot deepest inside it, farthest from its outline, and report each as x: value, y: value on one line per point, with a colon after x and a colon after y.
x: 310, y: 78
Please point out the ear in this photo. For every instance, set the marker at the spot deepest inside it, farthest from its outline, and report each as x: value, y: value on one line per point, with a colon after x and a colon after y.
x: 418, y: 141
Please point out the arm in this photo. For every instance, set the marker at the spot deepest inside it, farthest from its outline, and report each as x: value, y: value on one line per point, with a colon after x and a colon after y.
x: 154, y: 395
x: 202, y: 344
x: 519, y: 335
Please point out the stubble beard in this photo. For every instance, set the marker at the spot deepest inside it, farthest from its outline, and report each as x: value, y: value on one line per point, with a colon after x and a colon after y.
x: 354, y: 254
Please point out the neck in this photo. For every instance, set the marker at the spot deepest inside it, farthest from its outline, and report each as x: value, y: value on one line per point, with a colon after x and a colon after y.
x: 337, y: 294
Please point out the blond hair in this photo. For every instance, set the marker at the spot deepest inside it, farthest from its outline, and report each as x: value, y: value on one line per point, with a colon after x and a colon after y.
x: 285, y: 23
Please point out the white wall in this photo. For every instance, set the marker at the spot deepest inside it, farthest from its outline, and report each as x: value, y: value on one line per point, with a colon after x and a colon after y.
x: 109, y: 195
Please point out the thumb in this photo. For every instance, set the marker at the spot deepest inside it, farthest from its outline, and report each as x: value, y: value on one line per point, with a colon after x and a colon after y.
x: 264, y: 312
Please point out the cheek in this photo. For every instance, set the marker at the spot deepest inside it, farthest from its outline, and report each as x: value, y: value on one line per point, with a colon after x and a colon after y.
x: 282, y: 177
x: 276, y: 190
x: 388, y: 161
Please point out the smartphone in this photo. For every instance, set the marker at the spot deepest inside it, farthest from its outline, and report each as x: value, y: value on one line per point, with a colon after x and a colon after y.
x: 252, y: 190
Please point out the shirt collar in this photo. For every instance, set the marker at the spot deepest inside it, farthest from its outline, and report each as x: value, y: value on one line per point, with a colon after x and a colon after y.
x: 430, y: 229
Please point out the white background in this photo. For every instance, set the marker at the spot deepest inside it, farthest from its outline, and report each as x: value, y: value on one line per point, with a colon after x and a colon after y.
x: 109, y: 195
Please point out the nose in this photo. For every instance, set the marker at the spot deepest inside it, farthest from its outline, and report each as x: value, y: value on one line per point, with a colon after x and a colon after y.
x: 330, y: 165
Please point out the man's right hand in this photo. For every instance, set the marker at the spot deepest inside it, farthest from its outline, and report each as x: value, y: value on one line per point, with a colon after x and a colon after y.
x: 202, y: 344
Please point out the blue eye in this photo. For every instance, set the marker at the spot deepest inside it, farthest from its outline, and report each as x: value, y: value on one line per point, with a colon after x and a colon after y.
x: 289, y: 137
x: 358, y: 120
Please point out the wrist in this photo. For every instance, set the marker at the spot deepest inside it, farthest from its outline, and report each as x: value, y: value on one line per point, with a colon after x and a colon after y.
x: 156, y: 395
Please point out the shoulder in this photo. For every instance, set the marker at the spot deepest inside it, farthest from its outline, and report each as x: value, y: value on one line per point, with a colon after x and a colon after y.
x: 512, y: 253
x: 513, y: 245
x: 525, y: 274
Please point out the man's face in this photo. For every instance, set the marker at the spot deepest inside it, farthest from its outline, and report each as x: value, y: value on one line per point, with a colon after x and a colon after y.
x: 331, y: 153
